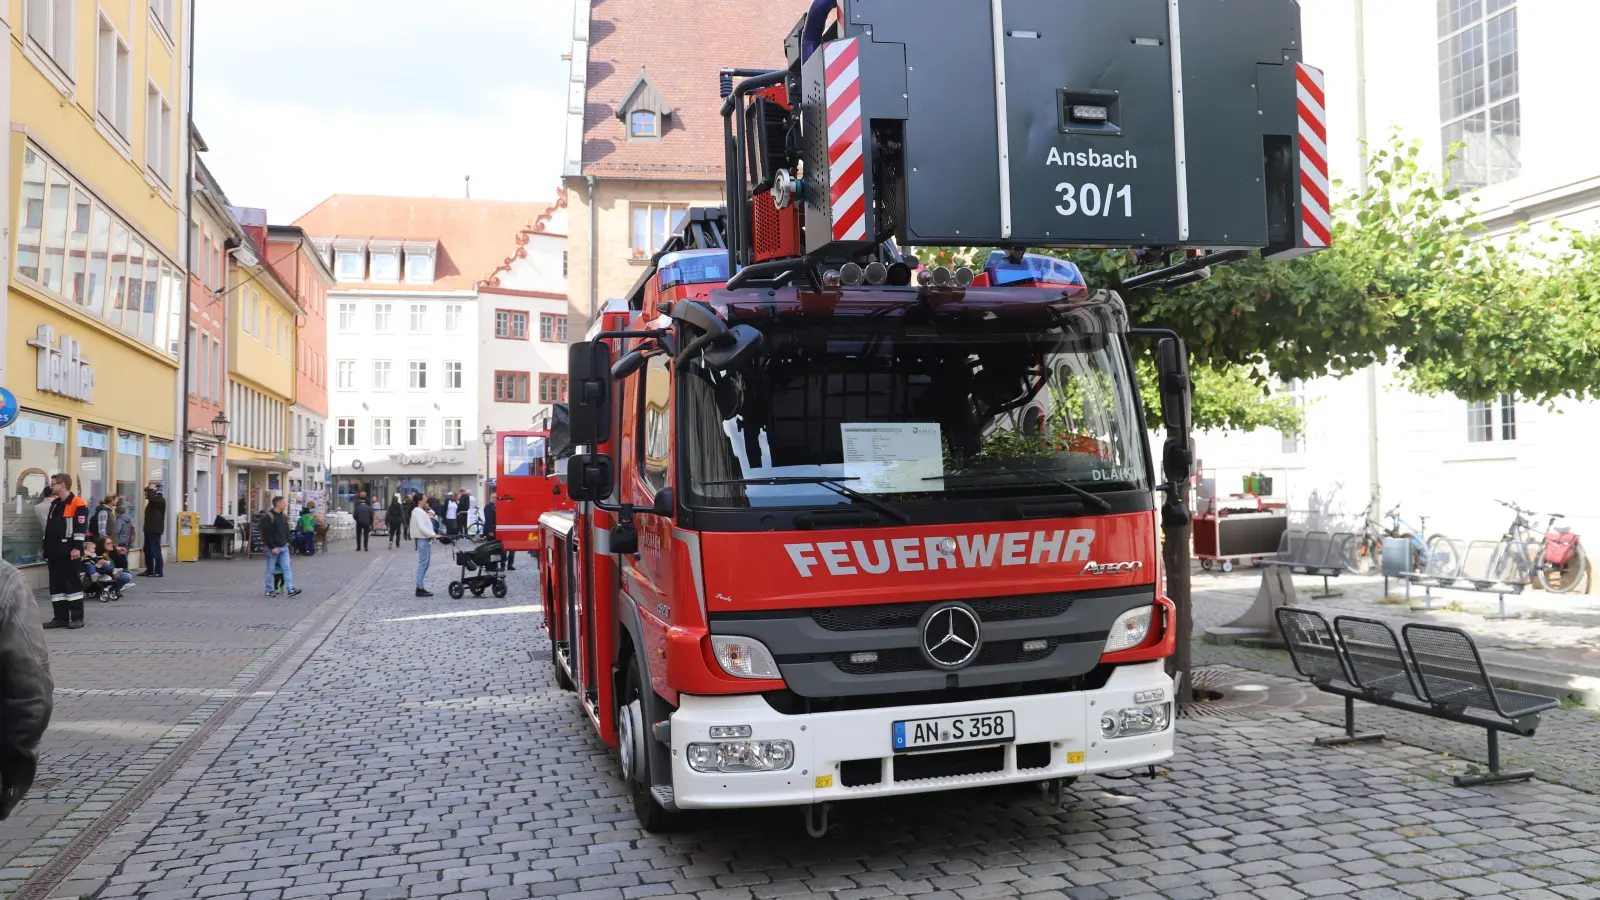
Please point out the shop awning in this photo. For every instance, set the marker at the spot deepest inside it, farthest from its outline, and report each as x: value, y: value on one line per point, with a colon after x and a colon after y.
x: 268, y: 465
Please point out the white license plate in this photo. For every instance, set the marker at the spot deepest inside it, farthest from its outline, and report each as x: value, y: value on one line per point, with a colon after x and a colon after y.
x: 947, y: 731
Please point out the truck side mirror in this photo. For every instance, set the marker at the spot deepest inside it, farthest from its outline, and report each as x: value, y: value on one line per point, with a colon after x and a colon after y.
x: 665, y: 503
x: 589, y: 402
x: 1172, y: 361
x: 590, y: 477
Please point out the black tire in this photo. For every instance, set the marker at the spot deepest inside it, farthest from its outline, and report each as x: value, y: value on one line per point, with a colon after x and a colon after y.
x: 1205, y: 564
x: 652, y: 817
x: 455, y: 590
x: 499, y: 590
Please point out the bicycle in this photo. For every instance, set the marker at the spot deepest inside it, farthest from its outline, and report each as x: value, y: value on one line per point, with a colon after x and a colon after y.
x: 1366, y: 550
x: 1561, y: 563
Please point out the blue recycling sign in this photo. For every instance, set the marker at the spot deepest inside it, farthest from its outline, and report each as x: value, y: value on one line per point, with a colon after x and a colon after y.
x: 9, y: 409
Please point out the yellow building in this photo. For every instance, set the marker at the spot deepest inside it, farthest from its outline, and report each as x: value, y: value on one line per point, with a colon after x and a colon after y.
x: 261, y: 373
x: 96, y: 280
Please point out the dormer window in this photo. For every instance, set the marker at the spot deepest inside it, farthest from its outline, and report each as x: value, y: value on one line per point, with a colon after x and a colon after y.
x: 643, y: 125
x: 419, y: 262
x: 644, y: 111
x: 349, y: 260
x: 385, y: 261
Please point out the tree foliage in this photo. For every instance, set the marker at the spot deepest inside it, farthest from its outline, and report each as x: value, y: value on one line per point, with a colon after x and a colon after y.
x: 1411, y: 279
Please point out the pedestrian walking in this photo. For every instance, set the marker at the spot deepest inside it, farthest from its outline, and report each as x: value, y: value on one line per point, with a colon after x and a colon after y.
x: 66, y: 527
x: 155, y: 522
x: 125, y: 531
x: 422, y: 528
x: 394, y: 518
x: 362, y: 513
x: 26, y: 689
x: 490, y: 521
x: 275, y: 538
x: 450, y: 508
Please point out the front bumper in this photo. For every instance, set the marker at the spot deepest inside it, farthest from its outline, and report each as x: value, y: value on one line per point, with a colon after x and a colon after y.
x: 1069, y: 723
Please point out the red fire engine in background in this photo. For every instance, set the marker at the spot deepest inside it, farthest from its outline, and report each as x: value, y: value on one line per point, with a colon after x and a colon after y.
x: 848, y: 525
x: 526, y: 487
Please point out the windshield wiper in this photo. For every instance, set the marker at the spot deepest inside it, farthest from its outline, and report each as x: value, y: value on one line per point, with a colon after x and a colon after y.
x: 832, y: 484
x: 1095, y: 499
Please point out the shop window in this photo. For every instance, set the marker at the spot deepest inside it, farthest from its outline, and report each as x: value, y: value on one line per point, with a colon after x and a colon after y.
x: 160, y: 461
x: 130, y: 471
x: 94, y: 463
x: 35, y: 449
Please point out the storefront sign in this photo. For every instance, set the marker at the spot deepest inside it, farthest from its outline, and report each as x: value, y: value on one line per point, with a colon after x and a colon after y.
x: 62, y: 368
x: 9, y: 408
x: 429, y: 460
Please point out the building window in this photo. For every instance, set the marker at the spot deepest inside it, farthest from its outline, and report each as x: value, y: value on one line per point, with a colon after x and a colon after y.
x: 50, y: 31
x: 347, y: 374
x: 194, y: 354
x: 380, y: 374
x: 347, y: 432
x: 419, y: 267
x: 452, y: 317
x: 511, y: 387
x: 563, y: 264
x: 158, y: 135
x: 114, y: 80
x: 510, y: 325
x: 381, y: 436
x: 216, y: 369
x: 553, y: 328
x: 347, y: 317
x: 1492, y: 421
x: 452, y: 434
x: 381, y: 313
x: 1295, y: 393
x: 419, y: 375
x: 652, y: 225
x: 386, y: 265
x: 452, y: 376
x: 419, y: 317
x: 416, y: 433
x: 552, y: 389
x: 348, y: 265
x: 162, y: 10
x: 1479, y: 90
x: 644, y: 124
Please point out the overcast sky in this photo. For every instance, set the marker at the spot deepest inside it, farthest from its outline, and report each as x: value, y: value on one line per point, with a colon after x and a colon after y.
x: 299, y: 99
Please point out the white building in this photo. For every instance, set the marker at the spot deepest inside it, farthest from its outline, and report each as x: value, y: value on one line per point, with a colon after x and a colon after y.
x: 522, y: 328
x: 1500, y: 76
x: 409, y: 371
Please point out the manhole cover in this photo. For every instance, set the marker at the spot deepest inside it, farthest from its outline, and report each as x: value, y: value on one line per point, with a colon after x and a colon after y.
x: 1221, y: 692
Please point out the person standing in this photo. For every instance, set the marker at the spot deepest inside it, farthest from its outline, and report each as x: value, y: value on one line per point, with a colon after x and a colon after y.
x: 124, y: 525
x: 66, y: 527
x: 490, y: 520
x: 463, y: 512
x: 450, y: 507
x: 103, y: 521
x: 422, y: 529
x: 155, y: 522
x: 26, y: 689
x: 362, y: 513
x: 394, y: 518
x: 275, y: 538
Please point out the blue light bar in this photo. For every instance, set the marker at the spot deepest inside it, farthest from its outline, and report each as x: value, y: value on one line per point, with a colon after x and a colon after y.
x: 694, y: 267
x: 1035, y: 267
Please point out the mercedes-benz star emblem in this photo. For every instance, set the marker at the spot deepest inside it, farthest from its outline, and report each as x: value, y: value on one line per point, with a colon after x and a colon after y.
x: 951, y: 636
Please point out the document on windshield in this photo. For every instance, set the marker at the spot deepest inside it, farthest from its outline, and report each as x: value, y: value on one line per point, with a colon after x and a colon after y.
x: 894, y: 457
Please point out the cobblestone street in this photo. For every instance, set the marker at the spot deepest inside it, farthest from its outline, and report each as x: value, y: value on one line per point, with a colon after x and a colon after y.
x: 419, y: 748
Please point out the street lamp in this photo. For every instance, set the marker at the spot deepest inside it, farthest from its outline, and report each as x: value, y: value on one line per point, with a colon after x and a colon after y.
x: 488, y: 441
x: 311, y: 438
x: 219, y: 427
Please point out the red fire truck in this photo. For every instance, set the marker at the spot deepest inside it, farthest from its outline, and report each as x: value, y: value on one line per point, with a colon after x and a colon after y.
x: 526, y: 487
x: 848, y: 525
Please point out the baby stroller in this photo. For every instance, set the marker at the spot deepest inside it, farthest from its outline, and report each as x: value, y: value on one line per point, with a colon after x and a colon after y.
x: 488, y: 560
x: 104, y: 588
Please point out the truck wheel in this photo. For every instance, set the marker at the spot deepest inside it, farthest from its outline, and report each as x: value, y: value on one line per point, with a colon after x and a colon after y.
x: 634, y: 753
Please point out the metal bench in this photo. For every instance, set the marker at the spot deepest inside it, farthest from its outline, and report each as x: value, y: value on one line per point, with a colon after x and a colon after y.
x: 1313, y: 553
x: 1438, y: 673
x: 1487, y: 567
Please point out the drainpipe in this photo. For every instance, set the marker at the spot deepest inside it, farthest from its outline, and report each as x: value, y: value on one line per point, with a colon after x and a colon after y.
x: 1372, y: 370
x: 188, y: 293
x: 594, y: 253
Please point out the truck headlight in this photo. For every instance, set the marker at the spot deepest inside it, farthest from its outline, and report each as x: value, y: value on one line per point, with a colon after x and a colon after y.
x: 743, y: 657
x: 741, y: 756
x: 1134, y: 720
x: 1130, y: 629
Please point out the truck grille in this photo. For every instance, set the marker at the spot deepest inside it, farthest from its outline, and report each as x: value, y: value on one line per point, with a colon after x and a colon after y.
x: 907, y: 615
x: 909, y: 659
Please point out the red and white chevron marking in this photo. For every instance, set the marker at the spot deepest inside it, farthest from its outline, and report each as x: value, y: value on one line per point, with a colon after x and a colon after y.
x: 846, y: 162
x: 1318, y: 224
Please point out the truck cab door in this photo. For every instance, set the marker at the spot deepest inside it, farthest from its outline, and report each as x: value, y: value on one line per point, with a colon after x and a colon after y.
x: 647, y: 575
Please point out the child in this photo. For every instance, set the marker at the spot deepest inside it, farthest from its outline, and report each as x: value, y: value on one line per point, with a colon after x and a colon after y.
x: 107, y: 564
x: 307, y: 532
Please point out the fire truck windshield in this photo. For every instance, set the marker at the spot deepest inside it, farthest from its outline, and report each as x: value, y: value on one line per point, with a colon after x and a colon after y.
x: 914, y: 413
